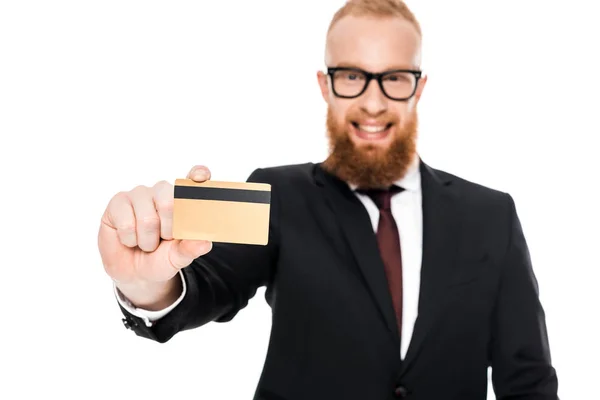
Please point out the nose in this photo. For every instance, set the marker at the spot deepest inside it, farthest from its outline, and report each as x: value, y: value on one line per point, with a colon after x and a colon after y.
x: 374, y: 101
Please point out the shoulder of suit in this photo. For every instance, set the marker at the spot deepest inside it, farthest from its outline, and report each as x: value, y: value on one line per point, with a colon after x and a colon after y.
x: 290, y: 173
x: 470, y: 190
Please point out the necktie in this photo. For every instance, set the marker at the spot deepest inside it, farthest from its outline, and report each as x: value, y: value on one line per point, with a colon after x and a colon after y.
x: 388, y: 240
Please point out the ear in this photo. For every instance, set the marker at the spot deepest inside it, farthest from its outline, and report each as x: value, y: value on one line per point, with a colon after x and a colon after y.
x: 420, y: 88
x: 323, y: 85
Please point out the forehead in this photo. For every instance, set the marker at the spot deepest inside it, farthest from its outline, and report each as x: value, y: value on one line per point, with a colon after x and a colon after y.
x: 374, y: 44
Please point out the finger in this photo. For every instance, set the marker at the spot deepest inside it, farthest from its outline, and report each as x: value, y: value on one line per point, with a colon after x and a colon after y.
x: 163, y: 202
x: 120, y: 216
x: 185, y: 251
x: 147, y: 222
x: 199, y: 173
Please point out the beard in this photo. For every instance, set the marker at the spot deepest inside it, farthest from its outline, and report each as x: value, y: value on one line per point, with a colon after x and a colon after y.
x: 371, y: 166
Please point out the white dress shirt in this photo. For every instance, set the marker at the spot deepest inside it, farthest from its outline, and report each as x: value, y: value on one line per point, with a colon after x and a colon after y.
x: 407, y: 211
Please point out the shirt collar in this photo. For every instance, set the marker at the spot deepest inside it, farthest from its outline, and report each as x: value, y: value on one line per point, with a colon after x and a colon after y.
x: 411, y: 181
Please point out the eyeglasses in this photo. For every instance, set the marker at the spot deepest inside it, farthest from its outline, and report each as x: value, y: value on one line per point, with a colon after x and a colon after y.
x: 398, y: 85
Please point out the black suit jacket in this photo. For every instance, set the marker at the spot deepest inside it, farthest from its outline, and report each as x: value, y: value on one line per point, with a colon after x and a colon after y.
x: 333, y: 333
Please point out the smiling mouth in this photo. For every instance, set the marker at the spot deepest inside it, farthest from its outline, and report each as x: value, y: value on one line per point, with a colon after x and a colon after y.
x: 371, y: 132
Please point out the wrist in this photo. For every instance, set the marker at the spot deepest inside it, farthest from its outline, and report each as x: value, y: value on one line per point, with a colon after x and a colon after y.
x: 151, y: 296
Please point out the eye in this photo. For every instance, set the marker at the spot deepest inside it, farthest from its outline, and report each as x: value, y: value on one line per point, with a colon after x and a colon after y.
x: 349, y: 76
x: 398, y: 77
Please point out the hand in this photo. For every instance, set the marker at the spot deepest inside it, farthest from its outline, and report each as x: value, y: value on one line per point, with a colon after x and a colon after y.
x: 135, y: 237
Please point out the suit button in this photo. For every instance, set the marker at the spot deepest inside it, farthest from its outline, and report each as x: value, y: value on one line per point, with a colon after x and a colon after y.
x: 401, y: 392
x: 129, y: 324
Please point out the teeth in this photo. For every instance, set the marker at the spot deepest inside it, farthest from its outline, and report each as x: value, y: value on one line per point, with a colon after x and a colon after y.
x: 372, y: 129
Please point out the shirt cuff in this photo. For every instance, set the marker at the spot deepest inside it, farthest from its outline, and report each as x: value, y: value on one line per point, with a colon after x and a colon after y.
x: 146, y: 315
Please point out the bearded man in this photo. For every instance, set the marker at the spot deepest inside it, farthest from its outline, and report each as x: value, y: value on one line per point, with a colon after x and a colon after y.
x: 387, y: 278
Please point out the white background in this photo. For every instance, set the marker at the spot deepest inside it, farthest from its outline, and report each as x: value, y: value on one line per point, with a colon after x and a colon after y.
x: 98, y: 97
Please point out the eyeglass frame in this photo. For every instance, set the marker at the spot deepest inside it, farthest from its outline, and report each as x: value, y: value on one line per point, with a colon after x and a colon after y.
x: 378, y: 77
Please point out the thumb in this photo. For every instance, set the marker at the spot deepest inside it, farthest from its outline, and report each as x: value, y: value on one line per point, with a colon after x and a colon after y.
x: 183, y: 252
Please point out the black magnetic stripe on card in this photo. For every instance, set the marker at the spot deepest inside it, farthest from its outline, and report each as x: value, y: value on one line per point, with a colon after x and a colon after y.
x: 222, y: 194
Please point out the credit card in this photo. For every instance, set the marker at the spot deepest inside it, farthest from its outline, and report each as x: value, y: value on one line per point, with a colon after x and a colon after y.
x: 228, y: 212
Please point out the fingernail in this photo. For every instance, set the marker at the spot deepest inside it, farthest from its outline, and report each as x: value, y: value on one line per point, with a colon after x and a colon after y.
x: 200, y: 175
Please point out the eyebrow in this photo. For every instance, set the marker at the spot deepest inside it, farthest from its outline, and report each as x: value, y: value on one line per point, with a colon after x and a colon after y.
x: 390, y: 68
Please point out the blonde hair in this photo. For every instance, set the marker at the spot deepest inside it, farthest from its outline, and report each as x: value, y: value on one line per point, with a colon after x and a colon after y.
x: 376, y: 8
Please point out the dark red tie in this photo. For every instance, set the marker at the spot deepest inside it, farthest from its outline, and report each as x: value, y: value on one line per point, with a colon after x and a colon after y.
x: 388, y: 240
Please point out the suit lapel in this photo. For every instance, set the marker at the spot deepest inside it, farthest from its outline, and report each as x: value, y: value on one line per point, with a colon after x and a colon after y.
x: 356, y: 228
x: 441, y: 232
x: 345, y: 214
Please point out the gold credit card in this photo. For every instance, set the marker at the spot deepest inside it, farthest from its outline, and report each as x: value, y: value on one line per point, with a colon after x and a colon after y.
x: 230, y: 212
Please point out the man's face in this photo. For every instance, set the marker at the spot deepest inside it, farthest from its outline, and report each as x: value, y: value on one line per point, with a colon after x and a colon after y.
x: 372, y: 137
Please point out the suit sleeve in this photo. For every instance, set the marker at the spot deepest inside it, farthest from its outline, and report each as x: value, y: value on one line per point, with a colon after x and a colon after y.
x: 220, y: 283
x: 520, y: 352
